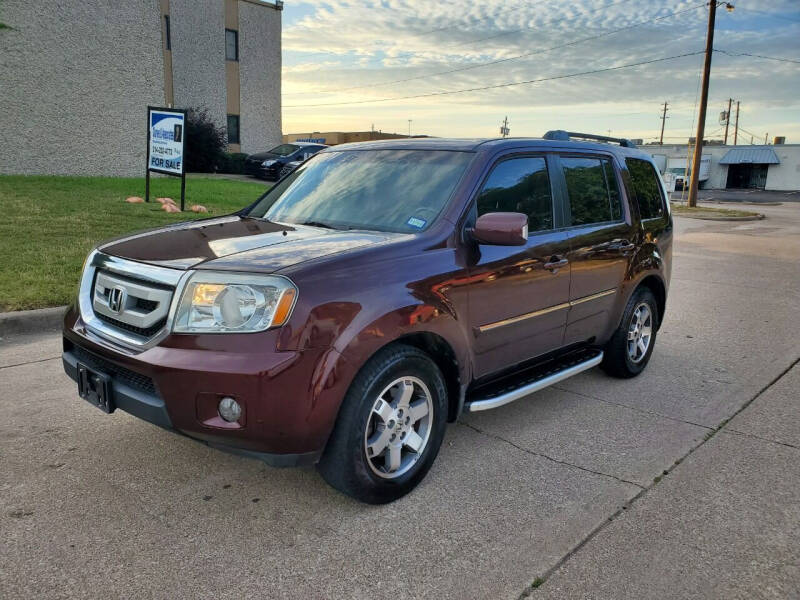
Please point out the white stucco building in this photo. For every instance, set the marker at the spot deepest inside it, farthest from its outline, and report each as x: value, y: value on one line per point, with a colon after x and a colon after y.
x: 769, y: 167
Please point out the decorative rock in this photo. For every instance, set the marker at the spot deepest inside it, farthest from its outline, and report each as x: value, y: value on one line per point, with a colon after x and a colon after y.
x: 199, y: 208
x: 170, y: 208
x: 134, y: 200
x: 166, y: 201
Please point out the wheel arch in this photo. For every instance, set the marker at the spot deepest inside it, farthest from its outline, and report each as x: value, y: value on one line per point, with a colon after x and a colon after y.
x: 442, y: 354
x: 656, y: 285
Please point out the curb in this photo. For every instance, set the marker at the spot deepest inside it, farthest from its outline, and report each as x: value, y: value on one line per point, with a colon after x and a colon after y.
x: 31, y: 321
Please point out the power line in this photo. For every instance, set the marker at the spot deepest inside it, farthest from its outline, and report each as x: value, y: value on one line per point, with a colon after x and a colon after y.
x: 750, y: 133
x: 502, y: 85
x: 788, y: 60
x: 511, y: 58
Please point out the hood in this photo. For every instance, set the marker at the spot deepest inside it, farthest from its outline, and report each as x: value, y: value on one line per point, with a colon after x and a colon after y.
x: 240, y: 243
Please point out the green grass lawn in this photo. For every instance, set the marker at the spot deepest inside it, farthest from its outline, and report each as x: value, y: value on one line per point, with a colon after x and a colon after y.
x: 49, y: 224
x: 709, y: 211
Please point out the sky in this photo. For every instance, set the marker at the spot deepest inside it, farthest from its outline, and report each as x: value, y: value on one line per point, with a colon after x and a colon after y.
x: 349, y: 65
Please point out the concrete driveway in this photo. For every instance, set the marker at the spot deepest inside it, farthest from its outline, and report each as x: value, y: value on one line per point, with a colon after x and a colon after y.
x: 567, y: 486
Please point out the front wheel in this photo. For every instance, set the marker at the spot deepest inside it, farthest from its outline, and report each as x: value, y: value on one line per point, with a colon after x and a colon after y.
x: 389, y: 428
x: 629, y: 350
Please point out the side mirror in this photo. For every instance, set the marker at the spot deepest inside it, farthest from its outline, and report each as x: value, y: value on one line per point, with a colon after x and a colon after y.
x: 501, y: 229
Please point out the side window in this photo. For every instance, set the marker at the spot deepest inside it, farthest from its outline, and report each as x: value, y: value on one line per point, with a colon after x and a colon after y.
x: 593, y: 191
x: 519, y: 185
x: 646, y: 188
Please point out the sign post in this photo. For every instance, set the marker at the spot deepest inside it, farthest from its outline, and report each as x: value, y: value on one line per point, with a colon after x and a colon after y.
x: 166, y: 141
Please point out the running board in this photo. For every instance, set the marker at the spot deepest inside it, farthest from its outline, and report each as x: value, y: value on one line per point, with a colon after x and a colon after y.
x: 537, y: 379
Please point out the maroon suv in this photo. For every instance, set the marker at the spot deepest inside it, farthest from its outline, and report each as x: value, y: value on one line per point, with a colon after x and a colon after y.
x: 376, y: 293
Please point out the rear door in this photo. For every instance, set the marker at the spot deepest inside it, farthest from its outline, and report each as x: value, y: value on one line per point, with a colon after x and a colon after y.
x: 519, y: 295
x: 602, y: 241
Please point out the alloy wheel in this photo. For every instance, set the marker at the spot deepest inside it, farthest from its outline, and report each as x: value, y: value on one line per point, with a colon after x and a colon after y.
x: 640, y: 332
x: 398, y: 427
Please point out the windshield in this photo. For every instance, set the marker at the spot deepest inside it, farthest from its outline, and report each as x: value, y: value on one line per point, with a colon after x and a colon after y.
x: 383, y: 190
x: 284, y: 149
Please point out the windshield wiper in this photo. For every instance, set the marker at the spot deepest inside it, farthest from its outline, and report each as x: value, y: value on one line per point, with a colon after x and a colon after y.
x: 317, y: 224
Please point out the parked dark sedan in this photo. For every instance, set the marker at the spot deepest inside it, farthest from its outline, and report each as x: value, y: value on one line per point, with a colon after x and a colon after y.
x: 268, y: 165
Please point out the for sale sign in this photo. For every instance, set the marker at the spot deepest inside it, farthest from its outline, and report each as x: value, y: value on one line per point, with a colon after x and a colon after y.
x: 165, y: 144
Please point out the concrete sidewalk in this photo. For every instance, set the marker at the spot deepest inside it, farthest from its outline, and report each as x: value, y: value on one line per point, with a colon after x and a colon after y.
x: 725, y: 523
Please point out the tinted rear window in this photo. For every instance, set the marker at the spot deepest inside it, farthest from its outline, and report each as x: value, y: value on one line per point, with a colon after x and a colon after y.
x: 592, y: 189
x: 646, y: 188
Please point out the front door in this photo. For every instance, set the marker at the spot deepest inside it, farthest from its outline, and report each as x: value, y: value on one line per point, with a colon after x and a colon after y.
x: 602, y: 242
x: 519, y: 295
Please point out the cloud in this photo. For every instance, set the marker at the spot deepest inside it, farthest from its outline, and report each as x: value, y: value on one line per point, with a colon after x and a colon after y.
x: 352, y: 50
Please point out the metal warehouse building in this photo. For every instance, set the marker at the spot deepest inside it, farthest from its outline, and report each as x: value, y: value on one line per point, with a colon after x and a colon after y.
x: 76, y: 78
x: 770, y: 167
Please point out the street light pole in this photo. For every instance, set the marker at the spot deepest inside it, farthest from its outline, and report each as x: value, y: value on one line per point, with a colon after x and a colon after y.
x: 701, y: 118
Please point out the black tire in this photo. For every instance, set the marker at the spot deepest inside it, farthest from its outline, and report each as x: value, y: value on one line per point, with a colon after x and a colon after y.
x: 344, y: 464
x: 617, y: 360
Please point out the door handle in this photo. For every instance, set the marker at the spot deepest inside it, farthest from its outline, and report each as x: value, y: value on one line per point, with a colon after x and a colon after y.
x: 622, y: 246
x: 555, y: 263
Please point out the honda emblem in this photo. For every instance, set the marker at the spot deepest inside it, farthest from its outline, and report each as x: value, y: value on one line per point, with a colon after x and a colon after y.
x: 116, y: 299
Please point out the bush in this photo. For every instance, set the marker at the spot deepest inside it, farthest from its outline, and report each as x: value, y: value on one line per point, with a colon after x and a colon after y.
x: 205, y: 142
x: 231, y: 162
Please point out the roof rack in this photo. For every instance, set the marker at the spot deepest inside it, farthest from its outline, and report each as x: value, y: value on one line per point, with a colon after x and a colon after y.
x: 565, y: 136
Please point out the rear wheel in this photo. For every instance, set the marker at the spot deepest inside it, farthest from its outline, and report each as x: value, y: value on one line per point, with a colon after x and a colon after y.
x: 389, y: 428
x: 630, y: 348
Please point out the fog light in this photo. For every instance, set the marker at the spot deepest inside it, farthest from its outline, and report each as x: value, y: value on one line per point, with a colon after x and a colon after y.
x: 229, y: 409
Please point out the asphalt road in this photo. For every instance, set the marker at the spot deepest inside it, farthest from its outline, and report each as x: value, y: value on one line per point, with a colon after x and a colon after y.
x: 567, y: 485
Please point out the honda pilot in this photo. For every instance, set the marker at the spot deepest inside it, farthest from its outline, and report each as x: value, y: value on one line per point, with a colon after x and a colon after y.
x: 375, y: 294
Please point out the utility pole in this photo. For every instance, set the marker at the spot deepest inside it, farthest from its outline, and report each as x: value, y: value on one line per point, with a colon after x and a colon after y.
x: 766, y: 137
x: 504, y: 130
x: 409, y: 128
x: 701, y: 118
x: 736, y: 127
x: 727, y: 121
x: 664, y: 118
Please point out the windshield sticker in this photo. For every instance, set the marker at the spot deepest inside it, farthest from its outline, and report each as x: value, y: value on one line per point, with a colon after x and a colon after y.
x: 416, y: 222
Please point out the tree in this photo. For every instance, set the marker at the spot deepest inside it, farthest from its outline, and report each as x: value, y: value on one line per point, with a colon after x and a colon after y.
x: 205, y: 142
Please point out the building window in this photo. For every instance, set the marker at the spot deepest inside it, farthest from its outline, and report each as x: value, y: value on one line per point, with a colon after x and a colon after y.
x: 233, y: 129
x: 231, y: 44
x: 166, y: 34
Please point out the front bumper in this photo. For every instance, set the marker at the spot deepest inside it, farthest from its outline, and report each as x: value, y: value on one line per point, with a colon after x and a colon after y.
x: 270, y: 173
x: 287, y: 413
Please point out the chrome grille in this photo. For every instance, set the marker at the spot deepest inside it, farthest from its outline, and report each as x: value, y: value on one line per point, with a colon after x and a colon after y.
x: 127, y: 302
x: 139, y: 304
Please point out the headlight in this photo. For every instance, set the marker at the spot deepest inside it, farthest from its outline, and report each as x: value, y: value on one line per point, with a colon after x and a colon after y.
x: 268, y: 163
x: 234, y: 302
